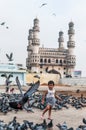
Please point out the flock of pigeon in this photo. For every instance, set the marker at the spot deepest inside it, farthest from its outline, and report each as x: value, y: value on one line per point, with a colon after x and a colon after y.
x: 44, y: 4
x: 7, y: 27
x: 65, y: 127
x: 32, y: 102
x: 32, y: 99
x: 3, y: 24
x: 27, y: 125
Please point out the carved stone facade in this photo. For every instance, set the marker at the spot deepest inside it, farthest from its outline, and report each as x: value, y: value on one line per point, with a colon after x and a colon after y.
x: 60, y: 59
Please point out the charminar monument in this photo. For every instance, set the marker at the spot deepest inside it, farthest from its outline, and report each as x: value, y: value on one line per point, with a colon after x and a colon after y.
x: 61, y: 59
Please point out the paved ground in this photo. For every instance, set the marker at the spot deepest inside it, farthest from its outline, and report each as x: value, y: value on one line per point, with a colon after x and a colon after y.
x: 71, y: 116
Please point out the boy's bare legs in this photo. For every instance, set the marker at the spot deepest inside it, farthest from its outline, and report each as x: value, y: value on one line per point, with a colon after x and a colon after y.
x: 46, y: 109
x: 49, y: 113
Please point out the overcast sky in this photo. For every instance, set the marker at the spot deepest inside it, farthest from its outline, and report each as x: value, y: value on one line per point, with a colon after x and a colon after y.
x: 19, y: 15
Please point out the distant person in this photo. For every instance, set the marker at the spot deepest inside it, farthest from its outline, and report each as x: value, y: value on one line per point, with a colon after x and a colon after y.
x: 50, y: 96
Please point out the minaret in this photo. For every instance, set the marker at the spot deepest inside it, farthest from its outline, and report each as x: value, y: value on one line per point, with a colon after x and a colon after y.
x: 71, y: 59
x: 33, y: 59
x: 29, y: 49
x: 61, y: 40
x: 30, y: 37
x: 36, y: 41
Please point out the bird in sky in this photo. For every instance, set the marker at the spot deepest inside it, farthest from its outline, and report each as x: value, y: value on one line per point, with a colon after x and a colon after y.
x: 43, y: 5
x: 37, y: 76
x: 3, y: 23
x: 7, y: 27
x: 54, y: 14
x: 10, y: 56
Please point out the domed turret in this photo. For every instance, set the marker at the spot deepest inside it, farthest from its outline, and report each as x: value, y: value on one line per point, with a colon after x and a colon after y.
x: 61, y: 40
x: 36, y: 25
x: 71, y: 24
x: 71, y: 28
x: 36, y: 20
x: 60, y: 33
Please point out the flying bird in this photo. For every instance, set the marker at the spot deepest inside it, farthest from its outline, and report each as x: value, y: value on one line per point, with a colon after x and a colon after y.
x: 19, y: 85
x: 10, y: 56
x: 7, y: 27
x: 52, y: 71
x: 43, y: 5
x: 3, y: 23
x: 7, y: 81
x: 19, y: 104
x: 37, y: 76
x: 54, y: 14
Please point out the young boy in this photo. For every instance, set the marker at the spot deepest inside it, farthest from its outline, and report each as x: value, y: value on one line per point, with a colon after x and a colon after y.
x: 50, y: 96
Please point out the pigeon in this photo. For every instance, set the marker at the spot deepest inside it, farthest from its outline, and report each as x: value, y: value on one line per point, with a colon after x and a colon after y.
x: 46, y: 69
x: 63, y: 126
x: 71, y: 128
x: 37, y: 76
x: 77, y: 91
x: 3, y: 23
x: 50, y: 124
x: 5, y: 75
x: 7, y: 82
x: 10, y: 56
x: 84, y: 120
x: 33, y: 89
x: 43, y: 5
x: 7, y: 27
x: 19, y: 104
x: 19, y: 85
x: 54, y: 14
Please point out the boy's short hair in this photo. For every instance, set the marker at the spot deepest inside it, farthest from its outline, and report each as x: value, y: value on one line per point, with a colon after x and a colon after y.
x: 51, y: 82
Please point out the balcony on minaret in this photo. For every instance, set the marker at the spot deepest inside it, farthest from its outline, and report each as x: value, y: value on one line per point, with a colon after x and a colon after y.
x: 28, y: 48
x: 71, y: 44
x: 30, y: 37
x: 36, y: 29
x: 30, y: 34
x: 71, y: 31
x: 35, y: 41
x: 61, y: 39
x: 71, y: 60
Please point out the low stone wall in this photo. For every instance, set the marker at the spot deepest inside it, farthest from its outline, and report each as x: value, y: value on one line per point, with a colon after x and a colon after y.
x: 44, y: 78
x: 75, y: 81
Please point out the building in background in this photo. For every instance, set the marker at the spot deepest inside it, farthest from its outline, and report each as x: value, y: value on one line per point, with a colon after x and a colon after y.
x: 15, y: 70
x: 59, y: 59
x: 77, y: 73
